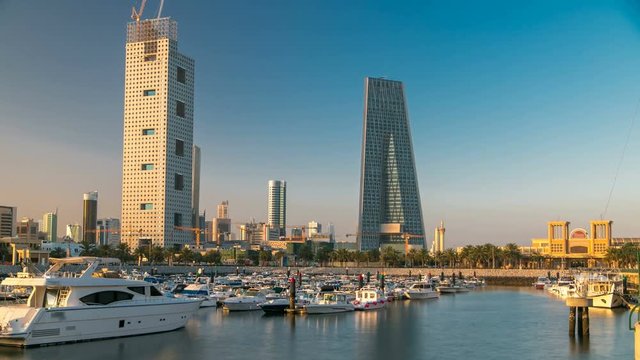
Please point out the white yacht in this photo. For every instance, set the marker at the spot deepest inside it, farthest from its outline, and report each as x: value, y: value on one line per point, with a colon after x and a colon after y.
x: 369, y: 299
x: 604, y: 290
x: 329, y: 303
x: 200, y: 292
x: 248, y: 300
x: 69, y: 307
x: 421, y: 290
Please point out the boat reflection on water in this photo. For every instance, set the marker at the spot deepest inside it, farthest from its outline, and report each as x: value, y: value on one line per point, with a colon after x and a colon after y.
x: 367, y: 320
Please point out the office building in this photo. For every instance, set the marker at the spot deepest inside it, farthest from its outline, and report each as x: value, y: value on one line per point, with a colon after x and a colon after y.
x: 195, y: 188
x: 50, y: 226
x: 158, y: 137
x: 438, y: 239
x: 90, y: 217
x: 389, y: 197
x: 108, y: 231
x: 7, y: 221
x: 277, y: 207
x: 74, y: 232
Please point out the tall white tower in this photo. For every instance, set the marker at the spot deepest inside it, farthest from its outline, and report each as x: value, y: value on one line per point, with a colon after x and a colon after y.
x: 277, y: 207
x: 158, y: 137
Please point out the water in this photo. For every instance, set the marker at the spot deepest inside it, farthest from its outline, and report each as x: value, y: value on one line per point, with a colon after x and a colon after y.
x: 491, y: 323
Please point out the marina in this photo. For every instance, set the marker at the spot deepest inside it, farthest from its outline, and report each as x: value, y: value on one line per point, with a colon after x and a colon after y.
x: 498, y: 323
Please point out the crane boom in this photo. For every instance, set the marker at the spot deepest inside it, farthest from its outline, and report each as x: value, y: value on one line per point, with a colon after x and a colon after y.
x: 137, y: 14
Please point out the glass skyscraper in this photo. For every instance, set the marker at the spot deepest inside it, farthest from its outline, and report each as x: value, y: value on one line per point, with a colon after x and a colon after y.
x: 389, y: 196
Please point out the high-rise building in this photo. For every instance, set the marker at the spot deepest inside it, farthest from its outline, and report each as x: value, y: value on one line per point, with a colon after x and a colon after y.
x: 74, y: 232
x: 389, y: 196
x: 108, y: 230
x: 313, y: 228
x: 7, y: 221
x: 223, y: 210
x: 195, y: 188
x: 27, y: 229
x: 438, y: 239
x: 50, y: 226
x: 158, y: 137
x: 277, y: 209
x: 90, y: 217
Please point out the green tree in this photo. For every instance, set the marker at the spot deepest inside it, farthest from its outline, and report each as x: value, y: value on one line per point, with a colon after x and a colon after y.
x: 374, y: 255
x: 390, y: 256
x: 87, y: 248
x: 58, y: 253
x: 156, y: 254
x: 186, y: 255
x: 265, y: 257
x: 212, y: 257
x: 323, y: 256
x: 305, y: 253
x: 122, y: 252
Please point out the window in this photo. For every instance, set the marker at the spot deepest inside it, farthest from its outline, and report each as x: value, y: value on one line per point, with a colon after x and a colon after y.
x: 105, y: 297
x: 149, y: 58
x: 179, y: 108
x: 179, y: 185
x: 147, y: 166
x: 177, y: 219
x: 155, y: 292
x: 146, y: 206
x: 138, y: 289
x: 148, y: 131
x: 179, y: 147
x: 121, y: 323
x: 150, y: 92
x: 182, y: 75
x: 150, y: 47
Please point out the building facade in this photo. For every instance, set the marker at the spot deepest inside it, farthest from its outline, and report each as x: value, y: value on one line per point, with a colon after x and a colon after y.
x: 277, y: 207
x: 158, y: 137
x: 438, y: 239
x: 195, y: 188
x: 74, y: 232
x: 567, y: 247
x: 108, y: 231
x: 50, y: 226
x: 90, y: 217
x: 7, y: 221
x: 389, y: 198
x: 27, y: 230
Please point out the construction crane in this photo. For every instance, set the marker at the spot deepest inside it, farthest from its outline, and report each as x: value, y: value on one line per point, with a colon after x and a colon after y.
x: 405, y: 237
x: 137, y: 14
x: 197, y: 231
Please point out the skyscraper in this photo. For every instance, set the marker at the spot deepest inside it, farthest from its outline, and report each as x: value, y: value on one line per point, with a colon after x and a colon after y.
x: 223, y: 210
x: 277, y: 207
x: 50, y: 226
x: 74, y: 232
x: 221, y: 224
x: 108, y: 231
x: 438, y: 239
x: 90, y: 217
x: 389, y: 196
x: 195, y: 188
x: 7, y: 221
x: 158, y: 137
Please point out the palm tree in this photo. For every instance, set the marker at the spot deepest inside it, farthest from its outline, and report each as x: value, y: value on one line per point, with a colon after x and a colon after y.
x: 511, y: 254
x: 451, y: 256
x: 122, y: 252
x: 140, y: 253
x: 411, y: 257
x: 424, y: 257
x: 390, y: 256
x: 87, y: 248
x: 58, y: 253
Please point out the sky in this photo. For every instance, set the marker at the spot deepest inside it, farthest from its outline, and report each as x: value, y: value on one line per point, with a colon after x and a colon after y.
x: 519, y: 110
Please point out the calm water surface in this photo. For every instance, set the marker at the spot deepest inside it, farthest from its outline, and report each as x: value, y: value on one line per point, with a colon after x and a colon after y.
x: 492, y: 323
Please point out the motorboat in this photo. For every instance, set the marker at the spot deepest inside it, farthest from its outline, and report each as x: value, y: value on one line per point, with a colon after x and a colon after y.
x: 329, y: 303
x: 369, y: 299
x: 542, y: 283
x: 69, y: 307
x: 247, y: 300
x: 420, y: 291
x: 199, y: 291
x: 275, y: 306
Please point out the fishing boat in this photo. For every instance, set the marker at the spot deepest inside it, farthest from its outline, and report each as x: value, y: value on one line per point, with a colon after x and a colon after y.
x: 69, y: 307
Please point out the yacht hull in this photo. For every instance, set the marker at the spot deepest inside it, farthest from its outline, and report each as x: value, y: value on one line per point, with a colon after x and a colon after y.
x: 328, y: 308
x: 73, y: 324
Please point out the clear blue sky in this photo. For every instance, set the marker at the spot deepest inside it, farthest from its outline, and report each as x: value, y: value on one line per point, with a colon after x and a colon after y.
x: 519, y: 109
